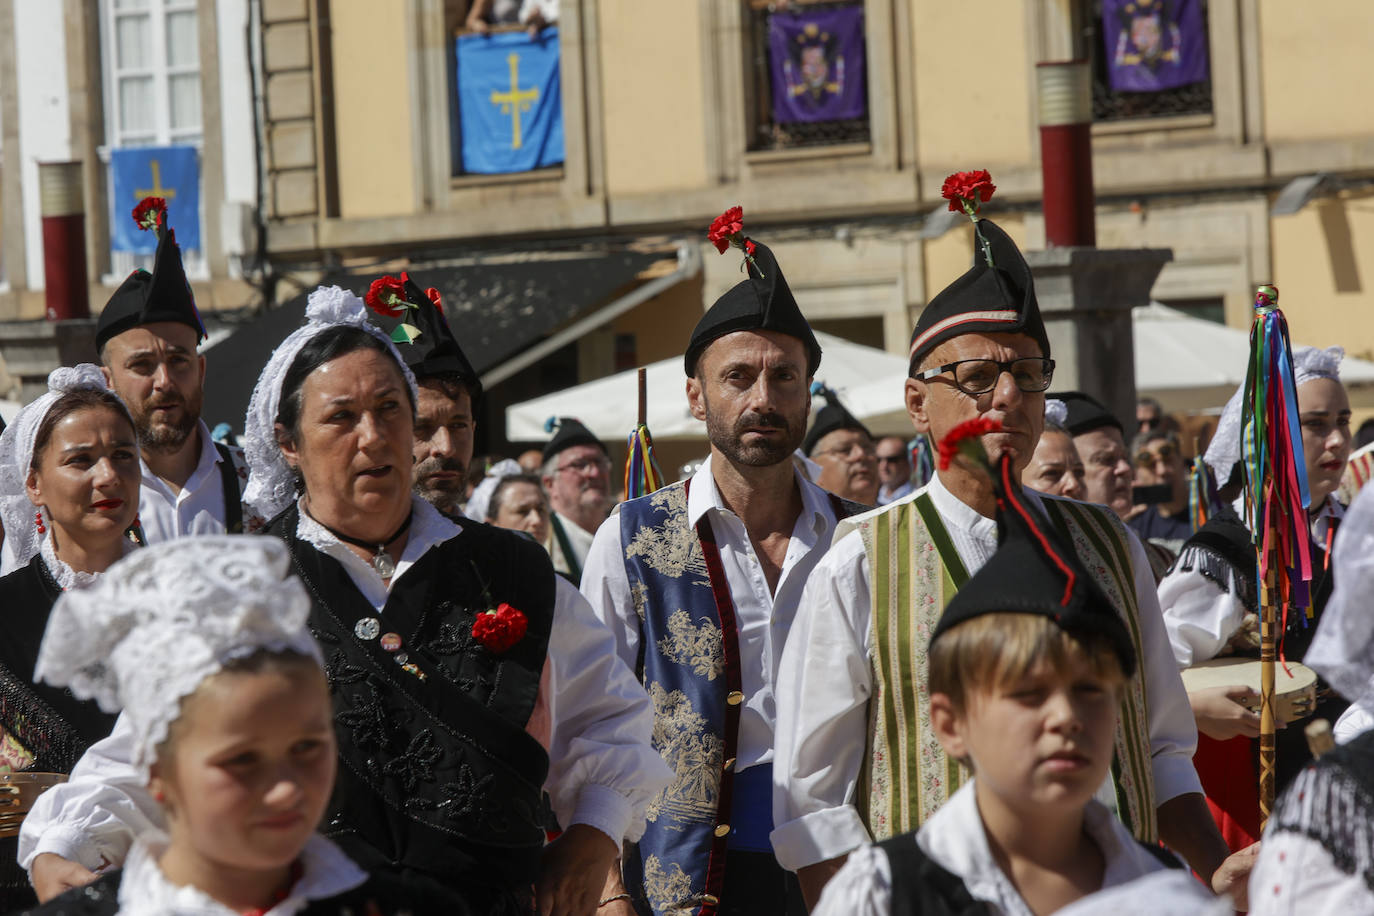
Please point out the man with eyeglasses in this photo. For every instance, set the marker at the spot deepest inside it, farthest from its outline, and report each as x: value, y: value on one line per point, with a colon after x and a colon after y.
x: 843, y: 447
x: 577, y: 477
x: 1159, y: 463
x: 894, y: 469
x: 856, y: 760
x: 700, y: 582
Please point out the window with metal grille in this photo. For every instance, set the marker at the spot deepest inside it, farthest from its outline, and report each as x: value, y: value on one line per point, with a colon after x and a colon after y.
x: 767, y: 131
x: 1110, y: 105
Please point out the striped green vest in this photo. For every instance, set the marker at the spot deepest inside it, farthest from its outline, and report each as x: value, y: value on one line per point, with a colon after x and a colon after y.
x: 913, y: 572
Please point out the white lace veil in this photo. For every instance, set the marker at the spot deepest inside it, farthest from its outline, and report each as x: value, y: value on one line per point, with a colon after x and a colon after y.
x: 163, y: 619
x: 271, y: 484
x: 1224, y: 449
x: 1056, y: 413
x: 480, y: 501
x: 1342, y: 651
x: 22, y: 539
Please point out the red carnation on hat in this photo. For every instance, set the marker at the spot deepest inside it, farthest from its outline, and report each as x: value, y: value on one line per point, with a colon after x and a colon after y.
x: 500, y: 629
x: 965, y: 438
x: 150, y: 213
x: 728, y: 229
x: 966, y: 190
x: 387, y: 296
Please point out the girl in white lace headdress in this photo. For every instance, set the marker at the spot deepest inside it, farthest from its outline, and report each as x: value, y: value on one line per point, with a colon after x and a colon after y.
x: 203, y: 643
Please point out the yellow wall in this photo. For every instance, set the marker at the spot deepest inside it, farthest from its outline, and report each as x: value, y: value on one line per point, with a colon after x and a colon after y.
x: 1324, y: 269
x: 972, y: 103
x: 949, y: 256
x: 1316, y: 68
x: 651, y: 84
x: 372, y: 129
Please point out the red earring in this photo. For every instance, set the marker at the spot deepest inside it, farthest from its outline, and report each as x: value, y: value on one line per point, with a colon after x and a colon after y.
x: 38, y: 520
x: 159, y: 796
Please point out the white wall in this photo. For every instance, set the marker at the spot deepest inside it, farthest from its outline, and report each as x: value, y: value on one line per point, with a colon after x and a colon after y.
x: 236, y: 116
x: 44, y: 113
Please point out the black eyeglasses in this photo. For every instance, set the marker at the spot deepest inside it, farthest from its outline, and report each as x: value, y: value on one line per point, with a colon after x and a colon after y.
x: 979, y: 376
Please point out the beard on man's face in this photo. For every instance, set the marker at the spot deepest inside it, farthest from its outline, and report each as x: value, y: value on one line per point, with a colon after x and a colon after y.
x: 159, y: 434
x: 443, y: 494
x: 729, y: 438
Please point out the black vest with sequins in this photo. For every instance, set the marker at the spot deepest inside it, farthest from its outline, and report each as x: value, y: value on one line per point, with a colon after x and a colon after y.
x: 437, y: 773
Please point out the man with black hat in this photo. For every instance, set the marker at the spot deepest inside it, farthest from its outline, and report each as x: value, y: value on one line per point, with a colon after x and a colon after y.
x: 147, y: 336
x: 1101, y: 443
x: 855, y: 755
x: 843, y: 447
x: 699, y: 582
x: 449, y: 390
x: 577, y: 477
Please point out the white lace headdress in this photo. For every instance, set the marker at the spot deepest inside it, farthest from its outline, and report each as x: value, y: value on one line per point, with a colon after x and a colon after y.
x: 1056, y: 412
x: 1224, y: 449
x: 480, y: 501
x: 22, y: 539
x: 271, y: 485
x: 165, y: 618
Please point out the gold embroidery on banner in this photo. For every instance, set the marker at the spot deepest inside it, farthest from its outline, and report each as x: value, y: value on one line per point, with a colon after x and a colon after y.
x: 665, y: 889
x: 670, y: 547
x: 681, y: 737
x: 698, y: 647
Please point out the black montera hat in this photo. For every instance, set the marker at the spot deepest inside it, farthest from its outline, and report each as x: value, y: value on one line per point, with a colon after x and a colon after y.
x: 1086, y: 413
x: 984, y: 300
x: 146, y: 298
x: 567, y: 432
x: 829, y: 418
x: 434, y: 350
x: 762, y: 302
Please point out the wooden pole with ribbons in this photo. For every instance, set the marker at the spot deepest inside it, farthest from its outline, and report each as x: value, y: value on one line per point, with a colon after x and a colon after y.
x: 642, y: 475
x: 1276, y: 507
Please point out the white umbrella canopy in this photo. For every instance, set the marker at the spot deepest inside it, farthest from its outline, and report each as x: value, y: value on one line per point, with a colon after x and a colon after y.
x: 1191, y: 364
x: 609, y: 406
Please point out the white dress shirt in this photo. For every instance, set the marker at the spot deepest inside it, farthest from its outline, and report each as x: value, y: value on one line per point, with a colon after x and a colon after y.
x: 954, y: 838
x: 1201, y: 616
x: 199, y: 506
x: 763, y: 618
x: 826, y: 680
x: 579, y: 539
x: 592, y: 716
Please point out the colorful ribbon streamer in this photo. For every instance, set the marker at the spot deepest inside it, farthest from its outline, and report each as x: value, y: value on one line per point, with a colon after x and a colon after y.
x: 642, y: 474
x: 1202, y: 493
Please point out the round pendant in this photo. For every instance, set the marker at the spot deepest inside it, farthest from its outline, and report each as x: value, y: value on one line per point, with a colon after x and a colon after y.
x: 391, y: 641
x: 401, y: 658
x: 383, y: 564
x: 367, y: 628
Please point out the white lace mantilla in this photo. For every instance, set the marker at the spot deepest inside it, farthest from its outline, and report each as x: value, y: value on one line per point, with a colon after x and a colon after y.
x: 163, y: 619
x: 145, y: 891
x: 16, y: 454
x: 67, y: 578
x: 271, y: 485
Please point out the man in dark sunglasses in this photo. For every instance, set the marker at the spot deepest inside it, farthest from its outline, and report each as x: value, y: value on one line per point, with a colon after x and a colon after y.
x: 1159, y: 467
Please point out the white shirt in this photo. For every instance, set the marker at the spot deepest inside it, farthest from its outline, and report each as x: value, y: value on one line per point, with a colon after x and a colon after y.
x: 1201, y: 616
x: 885, y: 497
x: 326, y: 871
x: 579, y: 539
x: 198, y: 508
x: 763, y: 618
x: 954, y: 838
x: 826, y: 680
x: 592, y: 716
x: 1296, y: 876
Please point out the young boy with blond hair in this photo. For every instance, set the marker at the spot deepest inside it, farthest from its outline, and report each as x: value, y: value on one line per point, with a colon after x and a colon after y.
x: 1026, y: 672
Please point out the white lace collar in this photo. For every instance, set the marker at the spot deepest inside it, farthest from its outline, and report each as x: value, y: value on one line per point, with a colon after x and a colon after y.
x: 145, y: 891
x: 66, y: 577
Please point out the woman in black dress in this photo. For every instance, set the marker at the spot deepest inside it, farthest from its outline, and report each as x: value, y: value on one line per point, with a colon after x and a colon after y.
x: 69, y: 482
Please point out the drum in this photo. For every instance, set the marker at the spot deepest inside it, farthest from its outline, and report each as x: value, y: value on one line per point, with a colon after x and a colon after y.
x: 18, y: 792
x: 1295, y: 691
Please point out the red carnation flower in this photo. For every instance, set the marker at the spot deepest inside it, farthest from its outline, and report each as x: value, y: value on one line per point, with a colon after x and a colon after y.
x: 964, y: 438
x: 387, y: 296
x: 500, y: 629
x: 150, y: 213
x: 725, y: 228
x: 966, y: 190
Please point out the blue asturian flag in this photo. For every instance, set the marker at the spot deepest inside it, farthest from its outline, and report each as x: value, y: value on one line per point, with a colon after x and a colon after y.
x: 169, y: 172
x: 1154, y: 44
x: 510, y: 101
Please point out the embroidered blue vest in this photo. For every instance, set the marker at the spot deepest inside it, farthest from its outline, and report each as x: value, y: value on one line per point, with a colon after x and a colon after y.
x: 689, y: 664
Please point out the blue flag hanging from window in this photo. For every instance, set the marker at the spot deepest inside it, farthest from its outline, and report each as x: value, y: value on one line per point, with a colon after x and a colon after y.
x: 510, y: 102
x: 817, y: 63
x: 1154, y: 44
x: 169, y: 172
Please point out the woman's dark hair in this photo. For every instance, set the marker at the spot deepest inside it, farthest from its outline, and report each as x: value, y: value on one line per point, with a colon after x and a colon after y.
x: 326, y: 346
x: 494, y: 504
x: 68, y: 404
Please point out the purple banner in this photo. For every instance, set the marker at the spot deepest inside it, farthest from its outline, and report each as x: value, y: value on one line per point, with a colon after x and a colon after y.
x: 818, y: 66
x: 1154, y: 44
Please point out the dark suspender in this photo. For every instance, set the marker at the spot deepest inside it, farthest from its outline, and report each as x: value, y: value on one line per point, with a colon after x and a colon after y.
x: 233, y: 497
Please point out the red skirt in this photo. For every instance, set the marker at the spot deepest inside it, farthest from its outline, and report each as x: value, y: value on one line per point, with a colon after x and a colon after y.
x: 1227, y: 771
